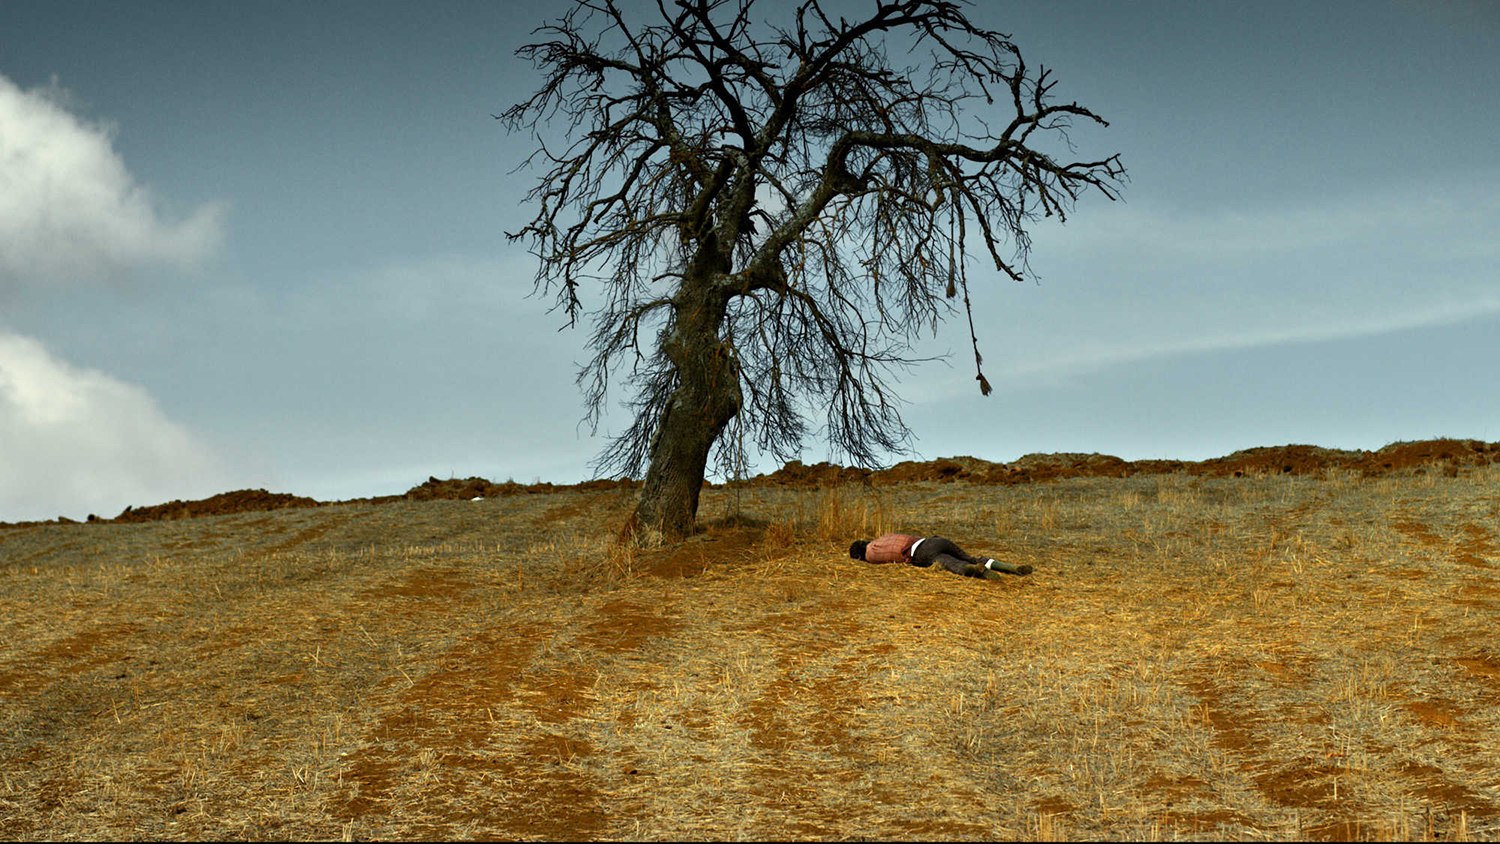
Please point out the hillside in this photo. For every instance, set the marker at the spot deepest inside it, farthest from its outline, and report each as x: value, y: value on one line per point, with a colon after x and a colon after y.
x: 1233, y: 649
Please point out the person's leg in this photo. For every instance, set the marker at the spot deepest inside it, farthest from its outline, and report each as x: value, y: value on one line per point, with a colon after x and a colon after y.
x: 934, y: 546
x: 957, y: 566
x: 988, y: 562
x: 937, y: 549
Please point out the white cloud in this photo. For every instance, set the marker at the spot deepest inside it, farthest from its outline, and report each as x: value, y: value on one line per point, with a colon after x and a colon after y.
x: 75, y: 441
x: 69, y: 210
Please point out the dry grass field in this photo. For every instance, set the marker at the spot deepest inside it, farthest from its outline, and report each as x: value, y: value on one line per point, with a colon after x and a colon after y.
x: 1264, y: 657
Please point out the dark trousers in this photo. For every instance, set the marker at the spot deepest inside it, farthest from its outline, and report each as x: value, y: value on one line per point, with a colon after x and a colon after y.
x: 936, y: 549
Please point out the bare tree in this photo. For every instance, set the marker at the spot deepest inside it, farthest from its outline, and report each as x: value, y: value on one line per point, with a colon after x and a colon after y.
x: 773, y: 212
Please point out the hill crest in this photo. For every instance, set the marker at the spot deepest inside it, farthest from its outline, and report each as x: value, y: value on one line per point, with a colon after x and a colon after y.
x: 1445, y: 455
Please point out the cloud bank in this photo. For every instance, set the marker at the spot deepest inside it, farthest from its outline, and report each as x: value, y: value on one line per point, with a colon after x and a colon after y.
x: 75, y: 441
x: 69, y: 210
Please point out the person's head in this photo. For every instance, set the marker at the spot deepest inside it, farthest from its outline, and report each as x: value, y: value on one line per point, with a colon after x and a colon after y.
x: 857, y: 550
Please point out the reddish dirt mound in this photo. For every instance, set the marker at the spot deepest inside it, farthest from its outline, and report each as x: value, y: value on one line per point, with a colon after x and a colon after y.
x: 1032, y: 467
x: 459, y: 490
x: 942, y: 469
x: 1278, y: 460
x: 1448, y: 454
x: 240, y: 501
x: 1046, y: 467
x: 1028, y: 469
x: 795, y: 473
x: 462, y: 490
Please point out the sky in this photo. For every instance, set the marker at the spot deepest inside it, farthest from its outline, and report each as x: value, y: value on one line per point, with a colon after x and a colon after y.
x: 261, y: 245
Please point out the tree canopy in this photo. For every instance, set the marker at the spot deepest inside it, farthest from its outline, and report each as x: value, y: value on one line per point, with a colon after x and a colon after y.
x: 769, y: 213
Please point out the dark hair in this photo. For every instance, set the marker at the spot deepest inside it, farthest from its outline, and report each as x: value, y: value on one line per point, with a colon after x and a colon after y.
x: 857, y: 550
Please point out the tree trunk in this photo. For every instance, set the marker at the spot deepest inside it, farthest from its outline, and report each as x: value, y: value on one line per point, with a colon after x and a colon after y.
x: 706, y: 399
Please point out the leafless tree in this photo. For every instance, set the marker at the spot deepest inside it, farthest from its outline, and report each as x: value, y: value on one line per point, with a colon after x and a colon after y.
x: 761, y: 217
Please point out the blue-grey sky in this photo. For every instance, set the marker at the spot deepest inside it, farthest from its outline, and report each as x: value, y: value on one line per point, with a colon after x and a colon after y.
x: 260, y: 244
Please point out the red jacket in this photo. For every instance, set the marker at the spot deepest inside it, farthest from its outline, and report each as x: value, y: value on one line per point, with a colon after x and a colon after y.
x: 891, y: 548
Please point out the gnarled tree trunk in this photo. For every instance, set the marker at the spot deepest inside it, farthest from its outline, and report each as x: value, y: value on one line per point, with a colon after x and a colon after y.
x: 706, y: 399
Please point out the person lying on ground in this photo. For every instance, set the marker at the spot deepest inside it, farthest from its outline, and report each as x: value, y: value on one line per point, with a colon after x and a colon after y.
x: 923, y: 551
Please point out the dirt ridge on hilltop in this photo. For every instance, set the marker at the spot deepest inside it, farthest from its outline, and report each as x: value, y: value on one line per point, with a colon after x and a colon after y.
x: 1446, y: 455
x: 1443, y: 454
x: 239, y: 501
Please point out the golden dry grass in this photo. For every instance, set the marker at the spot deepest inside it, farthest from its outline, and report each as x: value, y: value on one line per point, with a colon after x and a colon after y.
x: 1265, y: 657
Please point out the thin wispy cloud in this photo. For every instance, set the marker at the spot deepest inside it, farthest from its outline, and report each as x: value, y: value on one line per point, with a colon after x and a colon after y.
x: 1182, y: 284
x: 1089, y: 360
x: 70, y: 211
x: 1432, y: 213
